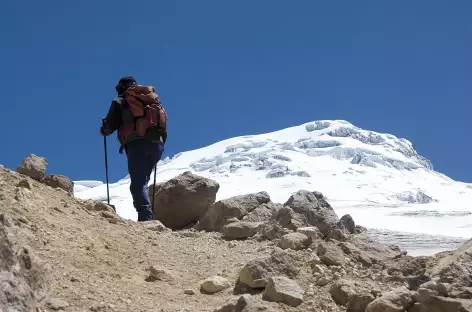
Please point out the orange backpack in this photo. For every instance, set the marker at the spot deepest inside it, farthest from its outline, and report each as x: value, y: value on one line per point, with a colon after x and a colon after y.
x: 147, y: 110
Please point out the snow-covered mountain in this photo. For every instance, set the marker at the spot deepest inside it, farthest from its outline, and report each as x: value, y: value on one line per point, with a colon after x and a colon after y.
x: 377, y: 178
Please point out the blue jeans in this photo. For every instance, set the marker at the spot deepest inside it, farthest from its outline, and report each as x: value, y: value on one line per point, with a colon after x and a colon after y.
x: 143, y: 155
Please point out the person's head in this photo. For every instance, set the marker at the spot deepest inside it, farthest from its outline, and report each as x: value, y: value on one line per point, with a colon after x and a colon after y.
x: 124, y: 84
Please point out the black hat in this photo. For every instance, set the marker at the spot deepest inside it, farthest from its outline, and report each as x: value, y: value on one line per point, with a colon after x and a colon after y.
x: 124, y: 83
x: 128, y: 80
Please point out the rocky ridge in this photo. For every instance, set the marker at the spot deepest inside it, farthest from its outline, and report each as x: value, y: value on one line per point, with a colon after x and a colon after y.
x: 245, y: 253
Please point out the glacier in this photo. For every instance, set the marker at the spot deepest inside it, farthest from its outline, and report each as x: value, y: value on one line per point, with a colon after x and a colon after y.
x: 377, y: 178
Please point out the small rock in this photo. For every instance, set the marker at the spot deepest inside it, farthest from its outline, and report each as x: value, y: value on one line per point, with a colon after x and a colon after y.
x: 397, y: 300
x: 347, y: 222
x: 25, y: 183
x: 330, y: 254
x: 155, y: 226
x: 57, y: 304
x: 33, y: 166
x: 240, y: 229
x: 311, y: 231
x: 159, y: 274
x: 190, y: 292
x: 214, y: 284
x: 337, y: 234
x: 283, y: 289
x: 59, y: 181
x: 295, y: 241
x: 317, y: 269
x: 256, y: 273
x: 424, y: 293
x: 323, y: 281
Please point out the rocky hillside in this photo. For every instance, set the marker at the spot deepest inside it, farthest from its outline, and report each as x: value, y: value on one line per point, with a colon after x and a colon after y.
x: 244, y: 253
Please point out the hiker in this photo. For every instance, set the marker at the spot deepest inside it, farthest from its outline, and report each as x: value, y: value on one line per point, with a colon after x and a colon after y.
x: 142, y: 138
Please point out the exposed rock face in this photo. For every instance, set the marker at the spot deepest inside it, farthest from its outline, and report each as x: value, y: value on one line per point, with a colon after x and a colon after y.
x: 24, y: 283
x: 184, y: 199
x: 257, y: 272
x: 60, y: 181
x: 283, y: 289
x: 456, y: 267
x: 315, y: 211
x: 239, y: 206
x: 33, y: 166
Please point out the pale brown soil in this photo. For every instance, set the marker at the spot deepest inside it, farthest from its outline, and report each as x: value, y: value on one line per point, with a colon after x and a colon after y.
x: 100, y: 266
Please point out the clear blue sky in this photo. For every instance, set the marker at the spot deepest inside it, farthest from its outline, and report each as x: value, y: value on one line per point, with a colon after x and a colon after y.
x: 230, y: 68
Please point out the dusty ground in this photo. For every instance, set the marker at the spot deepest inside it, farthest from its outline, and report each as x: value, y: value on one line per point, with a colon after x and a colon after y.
x: 98, y: 265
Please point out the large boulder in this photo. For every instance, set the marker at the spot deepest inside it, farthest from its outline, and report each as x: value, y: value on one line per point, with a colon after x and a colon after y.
x: 24, y: 279
x: 59, y: 181
x: 237, y: 207
x: 33, y: 166
x: 257, y: 272
x: 184, y: 199
x: 314, y: 210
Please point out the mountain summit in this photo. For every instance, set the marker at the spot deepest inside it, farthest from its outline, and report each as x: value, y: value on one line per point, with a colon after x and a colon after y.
x: 377, y: 178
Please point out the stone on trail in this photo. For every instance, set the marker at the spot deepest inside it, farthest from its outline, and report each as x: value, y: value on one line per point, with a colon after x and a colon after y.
x: 283, y: 289
x: 240, y: 229
x: 257, y: 272
x: 184, y: 199
x: 396, y: 300
x: 295, y: 241
x: 155, y: 226
x: 330, y: 254
x: 159, y: 274
x: 347, y: 223
x: 33, y: 166
x: 214, y: 284
x: 352, y: 295
x: 59, y: 181
x: 245, y: 303
x: 311, y: 231
x: 237, y: 207
x: 262, y: 213
x: 57, y: 304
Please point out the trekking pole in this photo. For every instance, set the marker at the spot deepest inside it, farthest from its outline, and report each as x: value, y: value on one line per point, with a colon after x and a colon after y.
x: 106, y: 166
x: 154, y: 188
